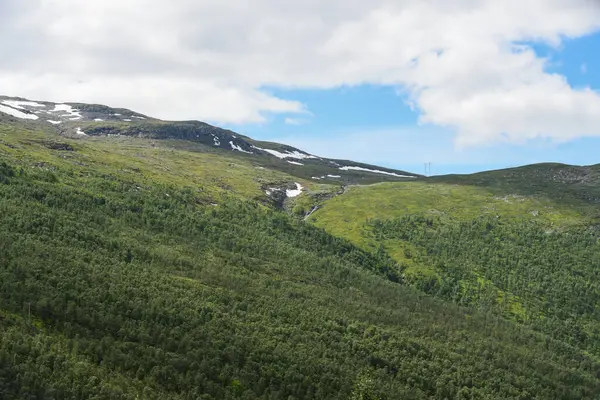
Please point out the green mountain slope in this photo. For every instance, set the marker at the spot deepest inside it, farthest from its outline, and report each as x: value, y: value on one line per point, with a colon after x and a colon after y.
x: 161, y: 269
x: 522, y: 243
x: 82, y: 121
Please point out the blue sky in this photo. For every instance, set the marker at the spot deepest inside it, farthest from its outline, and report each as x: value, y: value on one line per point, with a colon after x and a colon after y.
x: 343, y: 121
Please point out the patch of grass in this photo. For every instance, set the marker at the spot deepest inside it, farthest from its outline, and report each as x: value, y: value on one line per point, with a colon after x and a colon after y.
x: 347, y: 215
x: 213, y: 175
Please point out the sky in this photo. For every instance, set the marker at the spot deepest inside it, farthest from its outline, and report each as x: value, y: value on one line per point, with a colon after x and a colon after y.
x: 466, y: 85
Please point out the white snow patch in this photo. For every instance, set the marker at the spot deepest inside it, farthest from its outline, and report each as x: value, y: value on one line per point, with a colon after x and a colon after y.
x: 67, y: 110
x: 80, y: 132
x: 216, y: 140
x: 54, y: 122
x: 375, y: 171
x: 126, y: 120
x: 17, y: 113
x: 334, y: 176
x: 238, y: 148
x: 294, y: 192
x: 316, y: 177
x: 98, y: 119
x: 295, y: 163
x: 135, y: 116
x: 19, y: 104
x: 290, y: 154
x: 118, y: 115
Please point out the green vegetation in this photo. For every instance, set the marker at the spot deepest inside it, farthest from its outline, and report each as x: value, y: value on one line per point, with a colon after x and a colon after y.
x: 213, y: 175
x: 522, y: 243
x: 547, y: 279
x: 347, y: 215
x: 132, y: 269
x: 565, y: 184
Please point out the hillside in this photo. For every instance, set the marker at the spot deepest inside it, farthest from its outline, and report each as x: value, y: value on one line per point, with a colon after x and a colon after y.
x: 167, y: 268
x: 78, y: 120
x: 521, y: 243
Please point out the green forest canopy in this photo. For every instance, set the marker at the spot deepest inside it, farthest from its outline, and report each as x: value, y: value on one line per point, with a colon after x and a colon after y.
x: 117, y: 288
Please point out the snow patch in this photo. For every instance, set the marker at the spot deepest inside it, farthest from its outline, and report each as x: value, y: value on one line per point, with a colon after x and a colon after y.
x: 290, y: 154
x: 135, y: 116
x: 98, y: 119
x: 126, y: 120
x: 80, y: 132
x: 295, y: 163
x: 67, y: 111
x: 19, y: 104
x: 17, y: 113
x: 54, y: 122
x: 238, y: 148
x: 216, y: 140
x: 117, y: 115
x: 294, y: 192
x: 375, y: 171
x: 334, y: 176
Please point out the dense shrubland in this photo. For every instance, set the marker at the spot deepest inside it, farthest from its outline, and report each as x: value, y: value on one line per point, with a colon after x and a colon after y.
x: 112, y: 289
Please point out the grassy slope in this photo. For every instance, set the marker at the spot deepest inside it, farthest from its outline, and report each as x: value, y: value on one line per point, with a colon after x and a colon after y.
x: 558, y: 195
x: 553, y: 194
x: 346, y: 215
x: 550, y: 198
x: 213, y: 174
x: 192, y: 134
x: 136, y: 294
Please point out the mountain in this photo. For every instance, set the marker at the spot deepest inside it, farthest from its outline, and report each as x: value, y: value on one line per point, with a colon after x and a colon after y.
x: 80, y: 120
x: 162, y: 267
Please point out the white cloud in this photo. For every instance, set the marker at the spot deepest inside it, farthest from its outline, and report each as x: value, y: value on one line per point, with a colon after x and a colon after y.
x: 457, y: 60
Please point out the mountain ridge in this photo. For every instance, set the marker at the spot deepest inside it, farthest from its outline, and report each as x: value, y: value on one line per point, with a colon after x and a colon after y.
x: 79, y: 120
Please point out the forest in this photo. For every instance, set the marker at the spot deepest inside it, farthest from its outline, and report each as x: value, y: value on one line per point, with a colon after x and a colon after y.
x: 547, y: 279
x: 112, y: 288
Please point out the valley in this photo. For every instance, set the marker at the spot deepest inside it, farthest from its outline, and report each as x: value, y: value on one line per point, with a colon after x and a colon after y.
x: 151, y: 259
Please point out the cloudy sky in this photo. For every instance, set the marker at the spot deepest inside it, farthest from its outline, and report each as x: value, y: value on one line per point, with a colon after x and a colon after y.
x: 464, y: 84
